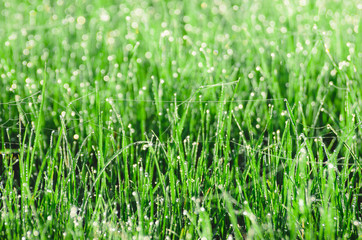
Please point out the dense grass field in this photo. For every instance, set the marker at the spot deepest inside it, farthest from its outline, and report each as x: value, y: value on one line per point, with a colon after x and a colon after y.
x: 168, y: 119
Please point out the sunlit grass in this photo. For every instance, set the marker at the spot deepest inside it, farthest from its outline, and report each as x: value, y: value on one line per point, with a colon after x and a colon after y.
x: 180, y: 119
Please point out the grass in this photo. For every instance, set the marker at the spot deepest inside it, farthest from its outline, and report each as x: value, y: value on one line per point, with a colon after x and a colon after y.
x: 180, y: 119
